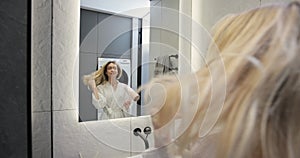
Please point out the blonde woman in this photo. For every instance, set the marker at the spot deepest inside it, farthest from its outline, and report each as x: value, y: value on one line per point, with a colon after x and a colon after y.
x: 108, y: 93
x: 252, y: 107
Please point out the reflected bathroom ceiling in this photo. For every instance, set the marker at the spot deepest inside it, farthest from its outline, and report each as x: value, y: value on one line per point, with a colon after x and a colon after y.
x: 125, y: 7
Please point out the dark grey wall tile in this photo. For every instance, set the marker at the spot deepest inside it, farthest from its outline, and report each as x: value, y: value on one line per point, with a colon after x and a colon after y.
x: 87, y: 64
x: 88, y: 31
x: 13, y: 72
x: 13, y: 136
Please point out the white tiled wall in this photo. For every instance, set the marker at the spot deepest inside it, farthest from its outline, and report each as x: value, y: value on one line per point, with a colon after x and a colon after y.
x: 271, y: 1
x: 41, y: 55
x: 41, y: 78
x: 41, y: 135
x: 110, y: 138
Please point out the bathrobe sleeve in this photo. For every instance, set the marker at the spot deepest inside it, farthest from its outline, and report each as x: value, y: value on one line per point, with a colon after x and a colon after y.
x: 101, y: 102
x: 131, y: 92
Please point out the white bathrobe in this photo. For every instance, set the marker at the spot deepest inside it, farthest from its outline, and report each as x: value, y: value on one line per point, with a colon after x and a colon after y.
x: 112, y: 100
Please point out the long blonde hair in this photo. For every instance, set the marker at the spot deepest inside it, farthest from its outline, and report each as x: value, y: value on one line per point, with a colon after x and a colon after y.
x: 100, y: 75
x: 260, y: 112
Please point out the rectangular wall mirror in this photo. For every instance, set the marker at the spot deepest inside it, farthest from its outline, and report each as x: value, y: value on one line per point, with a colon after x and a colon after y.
x: 107, y: 37
x: 122, y: 37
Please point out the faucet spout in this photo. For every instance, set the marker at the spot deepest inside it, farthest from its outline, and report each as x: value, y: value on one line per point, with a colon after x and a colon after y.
x: 137, y: 132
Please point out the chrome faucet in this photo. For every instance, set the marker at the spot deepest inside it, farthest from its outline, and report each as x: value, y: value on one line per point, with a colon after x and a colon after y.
x: 138, y: 132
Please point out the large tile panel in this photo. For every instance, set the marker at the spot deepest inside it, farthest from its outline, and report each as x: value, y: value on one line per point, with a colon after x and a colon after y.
x: 114, y: 133
x: 41, y: 55
x: 214, y: 10
x: 89, y: 139
x: 13, y: 135
x: 14, y: 78
x: 41, y: 134
x: 65, y: 54
x: 264, y: 2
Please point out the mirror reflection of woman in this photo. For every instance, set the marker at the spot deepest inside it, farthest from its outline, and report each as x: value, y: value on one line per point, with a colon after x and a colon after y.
x: 114, y: 97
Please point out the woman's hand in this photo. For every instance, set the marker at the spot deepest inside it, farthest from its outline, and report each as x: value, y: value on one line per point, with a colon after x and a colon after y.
x: 136, y: 98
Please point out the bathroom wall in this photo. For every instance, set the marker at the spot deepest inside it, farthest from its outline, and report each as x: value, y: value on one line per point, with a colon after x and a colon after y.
x: 205, y: 14
x: 263, y: 2
x: 41, y: 79
x: 56, y: 128
x: 185, y: 35
x: 15, y: 79
x: 55, y: 52
x: 213, y: 10
x: 164, y: 23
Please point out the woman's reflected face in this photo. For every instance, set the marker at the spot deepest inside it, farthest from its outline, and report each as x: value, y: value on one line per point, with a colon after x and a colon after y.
x: 111, y: 70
